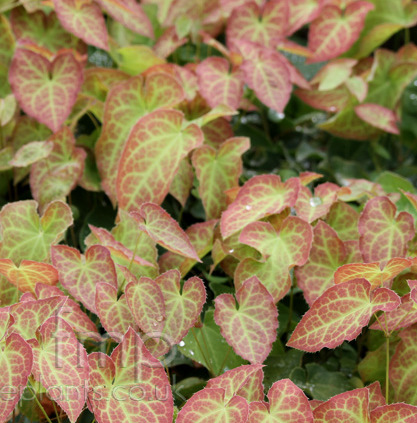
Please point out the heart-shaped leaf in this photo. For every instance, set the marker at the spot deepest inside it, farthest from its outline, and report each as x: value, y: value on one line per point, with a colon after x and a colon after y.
x: 130, y: 384
x: 217, y: 172
x: 301, y: 12
x: 60, y: 364
x: 182, y: 183
x: 80, y: 274
x: 335, y: 31
x: 28, y: 273
x: 210, y: 406
x: 164, y: 230
x: 281, y: 250
x: 287, y: 403
x: 352, y: 406
x: 340, y: 314
x: 163, y: 132
x: 218, y: 84
x: 250, y: 329
x: 114, y: 312
x: 31, y: 153
x: 83, y: 19
x: 125, y: 104
x: 403, y: 367
x: 16, y: 362
x: 261, y: 196
x: 25, y: 236
x: 46, y: 90
x: 310, y: 207
x: 372, y: 272
x: 383, y: 234
x: 176, y: 309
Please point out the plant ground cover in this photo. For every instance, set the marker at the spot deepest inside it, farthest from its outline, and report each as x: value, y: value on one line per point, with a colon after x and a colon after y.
x: 208, y: 211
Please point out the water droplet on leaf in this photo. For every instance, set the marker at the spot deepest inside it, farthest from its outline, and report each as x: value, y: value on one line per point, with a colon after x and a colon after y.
x: 315, y: 201
x: 248, y: 207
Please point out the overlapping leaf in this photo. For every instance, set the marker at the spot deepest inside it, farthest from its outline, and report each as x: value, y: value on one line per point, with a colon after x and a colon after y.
x: 210, y: 406
x: 145, y: 176
x: 83, y: 19
x: 60, y: 364
x: 26, y: 236
x: 340, y: 314
x: 16, y: 362
x: 394, y: 413
x: 383, y: 234
x: 352, y: 406
x: 343, y: 218
x: 372, y: 272
x: 261, y: 196
x: 378, y: 116
x: 164, y: 230
x: 131, y: 374
x: 114, y: 312
x: 176, y: 309
x: 54, y: 177
x: 282, y: 250
x: 403, y: 367
x: 182, y: 183
x: 31, y: 153
x: 125, y: 104
x: 217, y: 172
x: 250, y: 329
x: 80, y: 274
x: 287, y: 403
x: 28, y: 273
x: 201, y: 237
x: 6, y: 53
x: 46, y: 90
x: 218, y: 83
x: 334, y: 31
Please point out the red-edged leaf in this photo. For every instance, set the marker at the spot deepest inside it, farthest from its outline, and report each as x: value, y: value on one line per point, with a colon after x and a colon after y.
x: 71, y: 312
x: 176, y: 310
x: 327, y: 253
x: 152, y: 156
x: 25, y: 236
x: 164, y: 230
x: 83, y: 19
x: 46, y: 90
x: 80, y: 274
x: 133, y: 374
x: 383, y: 234
x: 308, y: 177
x: 351, y: 406
x: 218, y: 83
x: 403, y: 367
x: 125, y: 104
x: 261, y: 196
x: 218, y: 172
x: 60, y: 364
x: 378, y: 116
x: 210, y: 406
x: 310, y: 207
x: 268, y: 75
x: 54, y: 177
x: 287, y: 403
x: 376, y: 398
x: 340, y: 314
x: 261, y: 25
x: 251, y: 329
x: 282, y: 250
x: 333, y: 74
x: 343, y: 218
x: 28, y: 273
x: 114, y: 313
x: 16, y: 363
x: 130, y: 14
x: 217, y: 131
x: 405, y: 315
x: 245, y: 381
x: 330, y: 101
x: 29, y: 315
x: 301, y: 12
x: 372, y: 272
x: 335, y: 31
x: 201, y: 238
x: 394, y: 413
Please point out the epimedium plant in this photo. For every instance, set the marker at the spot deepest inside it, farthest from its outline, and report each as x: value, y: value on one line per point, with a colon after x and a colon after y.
x: 166, y: 253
